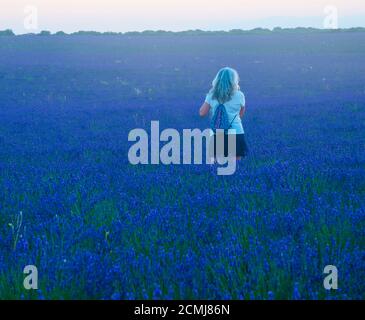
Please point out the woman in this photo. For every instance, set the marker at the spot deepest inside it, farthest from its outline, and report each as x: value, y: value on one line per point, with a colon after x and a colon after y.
x: 226, y: 91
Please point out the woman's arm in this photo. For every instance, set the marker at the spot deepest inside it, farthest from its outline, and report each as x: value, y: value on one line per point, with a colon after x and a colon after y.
x: 243, y: 111
x: 204, y: 109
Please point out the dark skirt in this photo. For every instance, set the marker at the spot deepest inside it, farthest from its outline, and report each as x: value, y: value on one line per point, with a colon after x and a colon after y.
x: 241, y: 149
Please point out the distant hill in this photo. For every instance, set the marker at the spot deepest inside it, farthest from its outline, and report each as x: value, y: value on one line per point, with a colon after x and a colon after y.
x: 9, y: 32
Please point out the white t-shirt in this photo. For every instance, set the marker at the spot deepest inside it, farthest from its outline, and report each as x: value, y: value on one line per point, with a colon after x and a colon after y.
x: 233, y: 108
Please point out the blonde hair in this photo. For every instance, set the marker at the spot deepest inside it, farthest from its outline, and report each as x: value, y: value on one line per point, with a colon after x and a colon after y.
x: 225, y: 84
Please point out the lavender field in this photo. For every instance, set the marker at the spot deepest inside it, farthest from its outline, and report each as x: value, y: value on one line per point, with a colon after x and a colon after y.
x: 98, y: 227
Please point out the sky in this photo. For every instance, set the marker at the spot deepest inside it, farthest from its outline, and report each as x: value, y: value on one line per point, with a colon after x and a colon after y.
x: 174, y: 15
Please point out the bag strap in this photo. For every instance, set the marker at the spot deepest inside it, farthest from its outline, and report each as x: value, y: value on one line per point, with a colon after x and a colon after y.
x: 230, y: 126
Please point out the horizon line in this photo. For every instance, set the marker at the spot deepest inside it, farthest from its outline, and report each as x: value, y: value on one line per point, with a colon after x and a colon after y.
x: 9, y: 31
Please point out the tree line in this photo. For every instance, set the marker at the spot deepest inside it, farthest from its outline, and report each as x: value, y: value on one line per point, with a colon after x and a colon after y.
x: 9, y: 32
